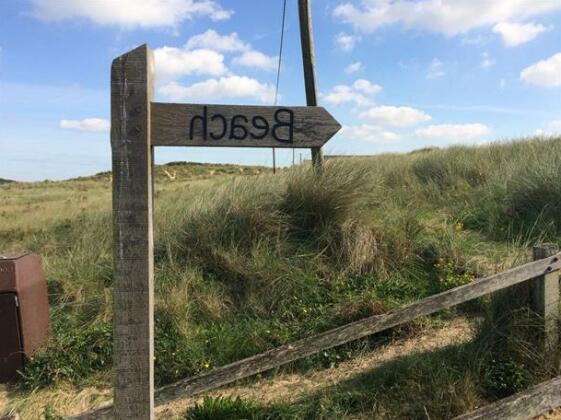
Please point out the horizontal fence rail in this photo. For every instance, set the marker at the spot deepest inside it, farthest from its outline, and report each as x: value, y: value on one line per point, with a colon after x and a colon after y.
x: 353, y: 331
x: 524, y: 405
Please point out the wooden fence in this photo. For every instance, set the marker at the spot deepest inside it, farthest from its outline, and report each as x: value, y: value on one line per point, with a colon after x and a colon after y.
x: 543, y: 274
x: 524, y: 405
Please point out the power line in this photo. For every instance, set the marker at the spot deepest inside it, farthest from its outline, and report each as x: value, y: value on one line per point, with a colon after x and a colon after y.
x: 280, y: 51
x: 278, y: 71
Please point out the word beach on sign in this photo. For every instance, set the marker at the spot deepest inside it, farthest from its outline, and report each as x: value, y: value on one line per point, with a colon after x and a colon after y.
x: 282, y: 129
x: 245, y: 126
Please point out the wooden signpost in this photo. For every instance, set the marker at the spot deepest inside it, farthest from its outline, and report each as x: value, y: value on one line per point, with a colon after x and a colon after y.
x: 133, y: 253
x: 137, y: 125
x: 241, y: 126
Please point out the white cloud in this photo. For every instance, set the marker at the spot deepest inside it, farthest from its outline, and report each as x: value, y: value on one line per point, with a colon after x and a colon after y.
x: 358, y: 93
x: 366, y: 86
x: 129, y: 13
x: 257, y: 60
x: 396, y: 116
x: 555, y: 126
x: 214, y: 41
x: 354, y: 67
x: 514, y: 34
x: 454, y: 132
x: 449, y: 17
x: 342, y: 94
x: 203, y: 54
x: 172, y: 63
x: 502, y: 84
x: 227, y: 87
x: 370, y: 133
x: 486, y: 61
x: 88, y: 124
x: 346, y: 41
x: 436, y: 69
x: 544, y: 73
x: 552, y: 129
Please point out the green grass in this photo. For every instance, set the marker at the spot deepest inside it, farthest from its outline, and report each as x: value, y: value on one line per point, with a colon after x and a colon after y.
x: 442, y: 384
x: 439, y: 385
x: 223, y: 409
x: 246, y: 261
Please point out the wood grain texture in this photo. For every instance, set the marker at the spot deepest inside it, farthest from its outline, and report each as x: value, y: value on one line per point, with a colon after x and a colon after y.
x: 349, y: 332
x: 544, y: 297
x: 309, y: 64
x: 524, y: 405
x: 172, y: 125
x: 131, y: 93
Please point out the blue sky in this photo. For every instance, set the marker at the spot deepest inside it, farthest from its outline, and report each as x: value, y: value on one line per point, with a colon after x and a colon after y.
x: 398, y: 74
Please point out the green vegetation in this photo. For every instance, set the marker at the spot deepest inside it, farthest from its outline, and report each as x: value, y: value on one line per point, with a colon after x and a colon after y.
x: 246, y: 263
x: 440, y: 384
x: 223, y: 409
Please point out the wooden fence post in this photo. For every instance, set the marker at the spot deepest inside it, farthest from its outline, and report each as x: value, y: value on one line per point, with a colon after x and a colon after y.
x: 544, y: 296
x: 133, y: 260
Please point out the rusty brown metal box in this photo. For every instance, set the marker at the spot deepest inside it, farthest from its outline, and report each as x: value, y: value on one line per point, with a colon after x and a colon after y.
x: 24, y: 311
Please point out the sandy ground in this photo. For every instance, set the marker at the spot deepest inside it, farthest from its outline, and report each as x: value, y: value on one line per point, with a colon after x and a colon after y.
x: 282, y: 387
x: 286, y: 387
x: 554, y: 415
x: 65, y: 400
x: 290, y: 387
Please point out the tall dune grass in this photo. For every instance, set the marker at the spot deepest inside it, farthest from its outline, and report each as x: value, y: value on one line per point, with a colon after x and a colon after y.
x: 244, y: 264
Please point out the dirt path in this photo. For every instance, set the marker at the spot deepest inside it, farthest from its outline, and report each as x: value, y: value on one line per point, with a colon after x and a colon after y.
x: 287, y: 387
x: 554, y: 415
x: 63, y: 400
x: 284, y: 386
x: 290, y: 387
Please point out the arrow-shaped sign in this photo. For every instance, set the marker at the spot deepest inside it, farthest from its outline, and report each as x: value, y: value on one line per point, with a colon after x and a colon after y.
x: 240, y: 126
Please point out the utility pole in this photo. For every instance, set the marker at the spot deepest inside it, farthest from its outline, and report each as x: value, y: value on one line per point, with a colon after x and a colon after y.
x: 309, y: 61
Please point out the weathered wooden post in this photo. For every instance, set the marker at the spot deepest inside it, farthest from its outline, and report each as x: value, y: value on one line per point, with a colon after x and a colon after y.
x: 309, y: 61
x: 137, y: 125
x: 544, y: 297
x: 133, y: 329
